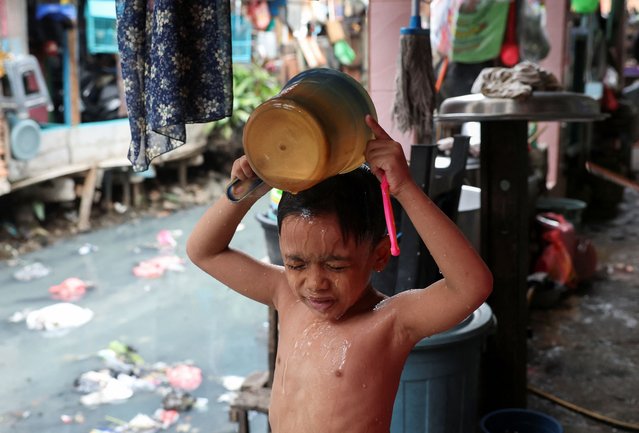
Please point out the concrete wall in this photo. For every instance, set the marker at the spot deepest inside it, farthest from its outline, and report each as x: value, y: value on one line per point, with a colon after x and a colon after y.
x: 556, y: 62
x: 386, y: 18
x: 14, y: 25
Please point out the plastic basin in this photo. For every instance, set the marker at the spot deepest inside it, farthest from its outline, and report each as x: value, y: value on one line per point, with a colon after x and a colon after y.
x: 520, y: 421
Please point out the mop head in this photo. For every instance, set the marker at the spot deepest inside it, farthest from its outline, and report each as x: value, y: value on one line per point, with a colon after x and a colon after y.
x: 415, y: 87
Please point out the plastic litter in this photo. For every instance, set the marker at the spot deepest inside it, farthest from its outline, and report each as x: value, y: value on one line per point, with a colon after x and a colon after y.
x: 143, y: 422
x: 58, y: 316
x: 232, y: 383
x: 78, y: 418
x: 185, y: 377
x: 87, y: 249
x: 32, y: 271
x: 165, y: 239
x: 69, y: 290
x: 167, y: 417
x: 179, y: 401
x: 126, y: 353
x: 110, y: 389
x: 127, y: 374
x: 156, y: 267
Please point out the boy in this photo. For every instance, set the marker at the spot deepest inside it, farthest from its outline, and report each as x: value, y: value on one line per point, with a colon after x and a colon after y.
x: 342, y: 344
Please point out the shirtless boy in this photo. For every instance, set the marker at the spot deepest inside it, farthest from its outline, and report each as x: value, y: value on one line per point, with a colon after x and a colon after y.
x: 342, y: 344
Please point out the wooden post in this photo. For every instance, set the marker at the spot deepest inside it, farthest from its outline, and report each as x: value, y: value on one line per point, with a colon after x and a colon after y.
x: 5, y: 186
x: 86, y: 202
x: 74, y: 80
x: 504, y: 228
x: 70, y: 77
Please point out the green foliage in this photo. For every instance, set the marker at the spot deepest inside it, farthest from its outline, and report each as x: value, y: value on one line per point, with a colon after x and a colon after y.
x: 252, y: 85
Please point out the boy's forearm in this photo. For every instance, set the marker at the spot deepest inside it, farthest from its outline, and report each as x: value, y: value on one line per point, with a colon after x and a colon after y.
x: 215, y: 229
x: 459, y: 263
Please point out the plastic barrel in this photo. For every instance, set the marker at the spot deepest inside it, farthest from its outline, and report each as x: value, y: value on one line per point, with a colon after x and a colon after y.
x: 439, y: 386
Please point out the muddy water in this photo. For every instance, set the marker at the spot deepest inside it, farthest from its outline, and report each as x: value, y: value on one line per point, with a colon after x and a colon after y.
x: 179, y: 316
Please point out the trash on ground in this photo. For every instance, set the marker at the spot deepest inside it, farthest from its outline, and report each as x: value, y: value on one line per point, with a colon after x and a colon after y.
x: 166, y: 239
x: 156, y: 267
x: 71, y: 289
x: 102, y: 388
x: 32, y: 271
x: 127, y: 374
x: 186, y: 377
x: 87, y: 249
x: 78, y: 418
x: 60, y: 316
x: 178, y: 400
x: 232, y: 383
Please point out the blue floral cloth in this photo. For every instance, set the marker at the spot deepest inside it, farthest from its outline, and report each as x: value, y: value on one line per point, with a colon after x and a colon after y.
x: 176, y: 67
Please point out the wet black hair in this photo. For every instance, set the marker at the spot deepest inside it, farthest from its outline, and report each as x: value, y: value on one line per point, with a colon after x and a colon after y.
x: 354, y: 197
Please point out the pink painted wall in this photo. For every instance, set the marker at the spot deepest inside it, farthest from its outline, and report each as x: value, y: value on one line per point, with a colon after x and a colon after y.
x: 386, y: 17
x: 557, y: 63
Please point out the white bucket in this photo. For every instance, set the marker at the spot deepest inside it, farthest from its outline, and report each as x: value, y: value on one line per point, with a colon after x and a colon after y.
x: 468, y: 216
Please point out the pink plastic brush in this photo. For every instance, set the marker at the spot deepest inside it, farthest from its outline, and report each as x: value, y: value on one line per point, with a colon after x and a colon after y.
x: 390, y: 218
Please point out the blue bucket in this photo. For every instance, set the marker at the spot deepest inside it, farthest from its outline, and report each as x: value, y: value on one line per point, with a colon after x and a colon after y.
x: 520, y: 421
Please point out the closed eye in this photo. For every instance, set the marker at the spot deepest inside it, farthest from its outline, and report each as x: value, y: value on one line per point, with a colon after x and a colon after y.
x: 294, y: 267
x: 336, y: 268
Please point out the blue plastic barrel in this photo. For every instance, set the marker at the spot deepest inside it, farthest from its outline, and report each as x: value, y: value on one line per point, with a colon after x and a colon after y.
x: 439, y: 386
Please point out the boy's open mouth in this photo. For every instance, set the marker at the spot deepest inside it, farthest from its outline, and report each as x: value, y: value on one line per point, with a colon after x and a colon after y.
x: 320, y: 304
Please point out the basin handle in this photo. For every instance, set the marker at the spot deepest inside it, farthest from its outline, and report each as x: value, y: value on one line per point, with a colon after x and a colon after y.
x: 238, y: 189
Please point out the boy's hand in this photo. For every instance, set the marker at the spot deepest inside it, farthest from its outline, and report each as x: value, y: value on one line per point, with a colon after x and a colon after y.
x: 243, y: 172
x: 386, y: 156
x: 241, y: 169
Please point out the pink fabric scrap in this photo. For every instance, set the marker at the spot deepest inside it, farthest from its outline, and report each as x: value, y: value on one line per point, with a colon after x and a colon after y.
x: 155, y: 267
x: 186, y: 377
x: 69, y: 290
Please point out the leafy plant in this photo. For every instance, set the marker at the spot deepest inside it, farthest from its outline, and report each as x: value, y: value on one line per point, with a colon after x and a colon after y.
x: 252, y: 85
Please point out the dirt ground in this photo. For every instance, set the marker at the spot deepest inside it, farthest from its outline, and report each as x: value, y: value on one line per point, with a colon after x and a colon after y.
x: 584, y: 349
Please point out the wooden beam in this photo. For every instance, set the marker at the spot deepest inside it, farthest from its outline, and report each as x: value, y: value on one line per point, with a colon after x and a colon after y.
x: 504, y: 228
x: 86, y: 202
x: 74, y: 76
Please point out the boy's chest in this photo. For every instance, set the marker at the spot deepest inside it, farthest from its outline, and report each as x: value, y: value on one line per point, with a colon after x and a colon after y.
x: 336, y: 352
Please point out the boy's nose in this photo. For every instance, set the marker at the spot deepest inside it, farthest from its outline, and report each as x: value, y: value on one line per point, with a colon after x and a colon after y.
x: 316, y: 279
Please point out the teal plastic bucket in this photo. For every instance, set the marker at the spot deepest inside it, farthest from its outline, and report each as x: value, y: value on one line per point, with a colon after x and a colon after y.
x: 572, y: 209
x: 439, y: 386
x: 520, y: 421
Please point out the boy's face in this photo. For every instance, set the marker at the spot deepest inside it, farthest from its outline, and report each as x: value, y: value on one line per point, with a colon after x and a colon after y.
x: 325, y: 272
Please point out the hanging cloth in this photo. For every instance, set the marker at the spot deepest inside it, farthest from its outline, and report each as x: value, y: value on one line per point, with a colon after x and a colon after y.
x: 176, y: 66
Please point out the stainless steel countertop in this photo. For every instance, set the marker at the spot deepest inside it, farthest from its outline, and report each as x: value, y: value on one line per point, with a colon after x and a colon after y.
x: 540, y: 106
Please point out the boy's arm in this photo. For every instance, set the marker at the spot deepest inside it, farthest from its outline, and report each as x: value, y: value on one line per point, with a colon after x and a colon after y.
x: 208, y: 247
x: 466, y: 281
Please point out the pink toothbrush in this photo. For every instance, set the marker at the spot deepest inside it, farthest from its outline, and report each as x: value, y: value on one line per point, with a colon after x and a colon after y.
x: 390, y: 218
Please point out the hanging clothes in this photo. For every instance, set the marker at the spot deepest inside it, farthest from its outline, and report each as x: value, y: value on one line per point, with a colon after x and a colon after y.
x: 176, y: 67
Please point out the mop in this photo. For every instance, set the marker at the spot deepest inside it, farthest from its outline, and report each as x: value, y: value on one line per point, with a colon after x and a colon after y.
x: 415, y: 80
x: 413, y: 110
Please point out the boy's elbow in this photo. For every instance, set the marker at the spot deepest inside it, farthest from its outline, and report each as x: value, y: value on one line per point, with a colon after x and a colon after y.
x: 486, y: 284
x: 193, y: 250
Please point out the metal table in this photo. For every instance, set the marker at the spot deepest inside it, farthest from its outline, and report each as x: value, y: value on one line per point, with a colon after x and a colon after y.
x: 505, y: 224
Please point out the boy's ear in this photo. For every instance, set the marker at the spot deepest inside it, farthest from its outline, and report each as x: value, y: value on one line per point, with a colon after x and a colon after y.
x: 382, y: 253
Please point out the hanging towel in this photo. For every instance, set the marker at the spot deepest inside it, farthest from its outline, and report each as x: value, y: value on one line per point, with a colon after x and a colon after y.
x: 176, y: 67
